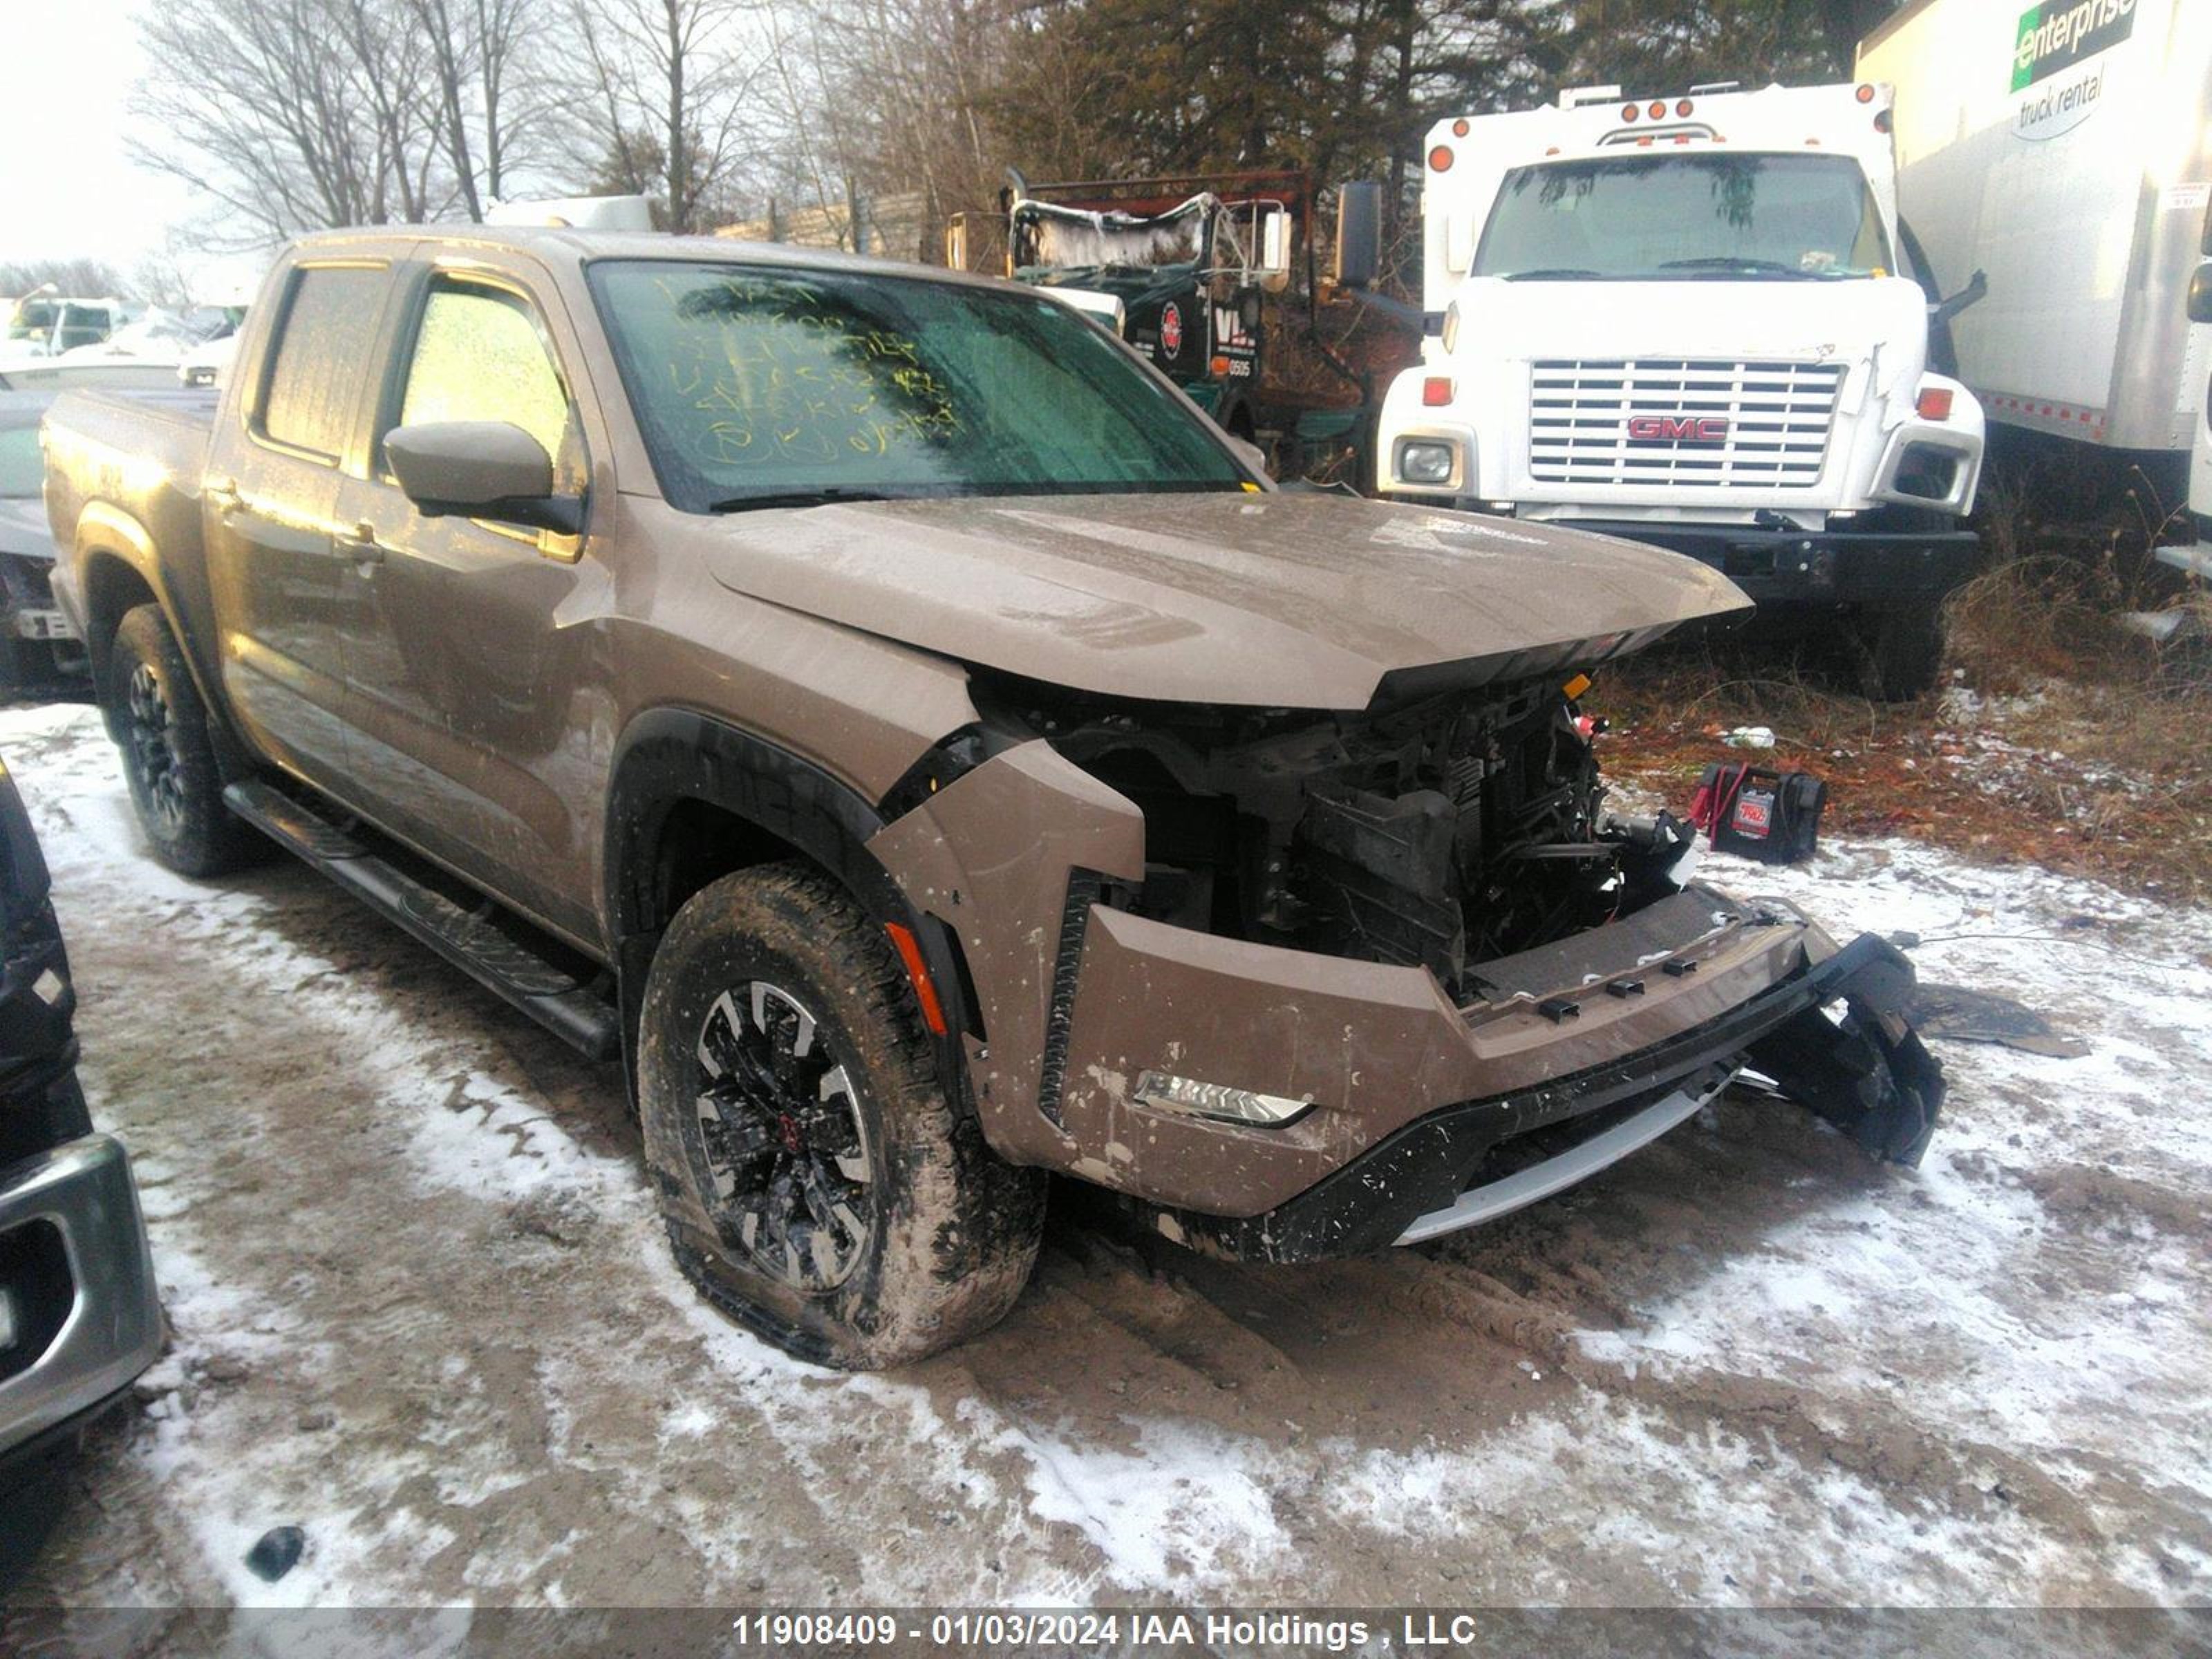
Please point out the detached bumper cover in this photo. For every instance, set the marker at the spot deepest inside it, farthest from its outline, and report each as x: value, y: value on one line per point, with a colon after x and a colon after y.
x: 1864, y: 1070
x: 1815, y: 567
x: 107, y: 1327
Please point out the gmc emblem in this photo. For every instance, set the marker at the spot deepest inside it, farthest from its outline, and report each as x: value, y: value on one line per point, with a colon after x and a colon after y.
x: 1678, y: 428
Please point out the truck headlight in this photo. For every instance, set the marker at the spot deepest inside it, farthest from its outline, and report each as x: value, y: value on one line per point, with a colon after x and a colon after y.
x: 1424, y: 461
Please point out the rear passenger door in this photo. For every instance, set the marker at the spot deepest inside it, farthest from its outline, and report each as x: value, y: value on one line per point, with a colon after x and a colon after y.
x: 469, y: 644
x: 271, y: 485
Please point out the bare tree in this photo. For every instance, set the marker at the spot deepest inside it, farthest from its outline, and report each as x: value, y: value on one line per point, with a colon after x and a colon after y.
x: 477, y: 58
x: 91, y: 278
x: 672, y: 80
x: 289, y: 115
x: 891, y: 96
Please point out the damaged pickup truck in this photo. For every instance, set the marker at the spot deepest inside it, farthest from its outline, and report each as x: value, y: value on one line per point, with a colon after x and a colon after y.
x: 880, y: 709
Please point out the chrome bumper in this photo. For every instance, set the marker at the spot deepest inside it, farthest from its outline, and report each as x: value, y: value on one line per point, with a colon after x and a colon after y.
x: 113, y: 1328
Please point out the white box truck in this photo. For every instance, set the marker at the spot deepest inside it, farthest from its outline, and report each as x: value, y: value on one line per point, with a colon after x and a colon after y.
x: 2064, y: 147
x: 2200, y: 459
x: 2200, y: 473
x: 1689, y: 320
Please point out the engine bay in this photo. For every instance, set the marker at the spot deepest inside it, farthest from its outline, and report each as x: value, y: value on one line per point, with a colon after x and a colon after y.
x: 1445, y: 833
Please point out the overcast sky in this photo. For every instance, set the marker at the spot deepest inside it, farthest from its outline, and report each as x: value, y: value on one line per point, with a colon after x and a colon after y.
x: 70, y: 189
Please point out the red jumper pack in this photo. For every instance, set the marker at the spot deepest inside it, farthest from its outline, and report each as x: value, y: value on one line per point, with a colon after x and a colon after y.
x: 1773, y: 817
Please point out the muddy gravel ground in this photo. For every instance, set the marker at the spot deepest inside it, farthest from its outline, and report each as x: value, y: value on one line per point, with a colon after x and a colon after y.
x: 422, y: 1309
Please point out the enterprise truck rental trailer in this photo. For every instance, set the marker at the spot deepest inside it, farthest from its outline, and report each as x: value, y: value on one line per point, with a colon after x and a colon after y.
x: 2065, y: 149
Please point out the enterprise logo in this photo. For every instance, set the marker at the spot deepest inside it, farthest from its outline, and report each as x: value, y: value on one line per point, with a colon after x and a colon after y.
x: 2057, y: 35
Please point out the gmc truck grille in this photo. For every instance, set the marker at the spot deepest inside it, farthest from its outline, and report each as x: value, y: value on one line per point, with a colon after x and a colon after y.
x: 1668, y: 423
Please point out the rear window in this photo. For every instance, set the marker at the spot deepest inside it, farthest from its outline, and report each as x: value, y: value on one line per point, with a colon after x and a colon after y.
x: 314, y: 382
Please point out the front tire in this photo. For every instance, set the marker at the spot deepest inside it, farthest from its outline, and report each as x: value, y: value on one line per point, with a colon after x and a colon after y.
x: 1903, y: 650
x: 169, y: 757
x: 819, y: 1184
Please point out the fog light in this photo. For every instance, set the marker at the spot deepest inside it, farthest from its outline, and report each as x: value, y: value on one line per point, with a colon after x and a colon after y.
x: 1424, y: 462
x: 1216, y: 1100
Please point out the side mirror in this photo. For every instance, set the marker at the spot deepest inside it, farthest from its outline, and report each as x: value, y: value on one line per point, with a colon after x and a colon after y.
x: 1251, y: 454
x: 2200, y: 296
x: 1358, y: 234
x: 480, y: 469
x: 1975, y: 290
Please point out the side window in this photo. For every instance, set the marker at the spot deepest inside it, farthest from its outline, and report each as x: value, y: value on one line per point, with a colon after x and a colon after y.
x: 314, y: 381
x: 479, y: 357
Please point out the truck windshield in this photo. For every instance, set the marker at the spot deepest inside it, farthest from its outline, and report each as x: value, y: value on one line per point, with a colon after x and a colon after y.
x: 759, y: 386
x: 1048, y: 237
x: 1685, y: 217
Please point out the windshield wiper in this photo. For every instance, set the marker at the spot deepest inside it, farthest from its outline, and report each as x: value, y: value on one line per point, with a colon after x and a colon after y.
x: 827, y: 495
x: 1747, y: 267
x: 1551, y: 274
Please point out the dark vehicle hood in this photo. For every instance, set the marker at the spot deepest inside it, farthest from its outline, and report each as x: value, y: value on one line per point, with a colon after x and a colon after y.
x: 1294, y: 599
x: 24, y: 530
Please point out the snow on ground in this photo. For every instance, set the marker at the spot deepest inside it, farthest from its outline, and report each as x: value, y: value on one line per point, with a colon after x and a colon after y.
x: 422, y: 1309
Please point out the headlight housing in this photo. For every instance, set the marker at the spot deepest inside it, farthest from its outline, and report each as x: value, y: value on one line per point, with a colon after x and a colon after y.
x: 1425, y: 461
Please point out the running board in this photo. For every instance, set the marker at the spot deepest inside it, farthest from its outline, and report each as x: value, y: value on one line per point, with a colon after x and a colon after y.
x: 543, y: 989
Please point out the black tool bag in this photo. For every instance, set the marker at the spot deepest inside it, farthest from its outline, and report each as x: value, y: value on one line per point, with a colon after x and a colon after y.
x: 1773, y: 817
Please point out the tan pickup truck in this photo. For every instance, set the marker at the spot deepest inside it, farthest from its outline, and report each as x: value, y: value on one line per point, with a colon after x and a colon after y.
x: 878, y: 708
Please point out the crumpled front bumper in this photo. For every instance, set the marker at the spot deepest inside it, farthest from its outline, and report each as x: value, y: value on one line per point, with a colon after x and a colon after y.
x: 1408, y: 1092
x: 1860, y: 1067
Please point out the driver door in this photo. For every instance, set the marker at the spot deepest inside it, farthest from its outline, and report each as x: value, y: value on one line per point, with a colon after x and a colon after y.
x: 469, y: 653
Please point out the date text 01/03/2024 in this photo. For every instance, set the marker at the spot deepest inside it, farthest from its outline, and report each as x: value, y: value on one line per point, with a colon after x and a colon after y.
x: 1125, y: 1631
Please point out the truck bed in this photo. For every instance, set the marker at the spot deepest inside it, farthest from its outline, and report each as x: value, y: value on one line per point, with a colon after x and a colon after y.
x: 123, y: 466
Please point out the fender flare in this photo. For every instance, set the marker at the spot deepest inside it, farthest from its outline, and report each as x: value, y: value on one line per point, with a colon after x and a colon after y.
x: 666, y: 756
x: 104, y: 533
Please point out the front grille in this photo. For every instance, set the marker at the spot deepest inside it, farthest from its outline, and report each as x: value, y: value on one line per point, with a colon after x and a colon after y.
x: 1778, y: 414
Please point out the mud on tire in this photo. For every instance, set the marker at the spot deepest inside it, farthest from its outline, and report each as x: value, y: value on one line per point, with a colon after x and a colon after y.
x: 819, y: 1184
x: 169, y: 757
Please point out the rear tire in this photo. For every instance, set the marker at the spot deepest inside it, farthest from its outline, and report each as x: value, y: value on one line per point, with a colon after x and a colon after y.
x: 168, y: 759
x: 819, y: 1184
x: 1903, y: 650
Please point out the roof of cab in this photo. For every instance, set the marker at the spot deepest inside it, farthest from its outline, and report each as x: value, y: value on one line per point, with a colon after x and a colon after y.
x: 584, y: 246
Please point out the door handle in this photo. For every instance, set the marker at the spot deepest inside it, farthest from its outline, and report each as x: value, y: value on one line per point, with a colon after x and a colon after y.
x: 361, y: 545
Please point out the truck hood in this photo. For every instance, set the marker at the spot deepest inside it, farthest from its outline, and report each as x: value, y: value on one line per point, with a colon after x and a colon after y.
x: 1844, y: 320
x: 1283, y: 600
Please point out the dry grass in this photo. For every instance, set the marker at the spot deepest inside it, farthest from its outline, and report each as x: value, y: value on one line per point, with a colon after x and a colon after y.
x: 2103, y: 774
